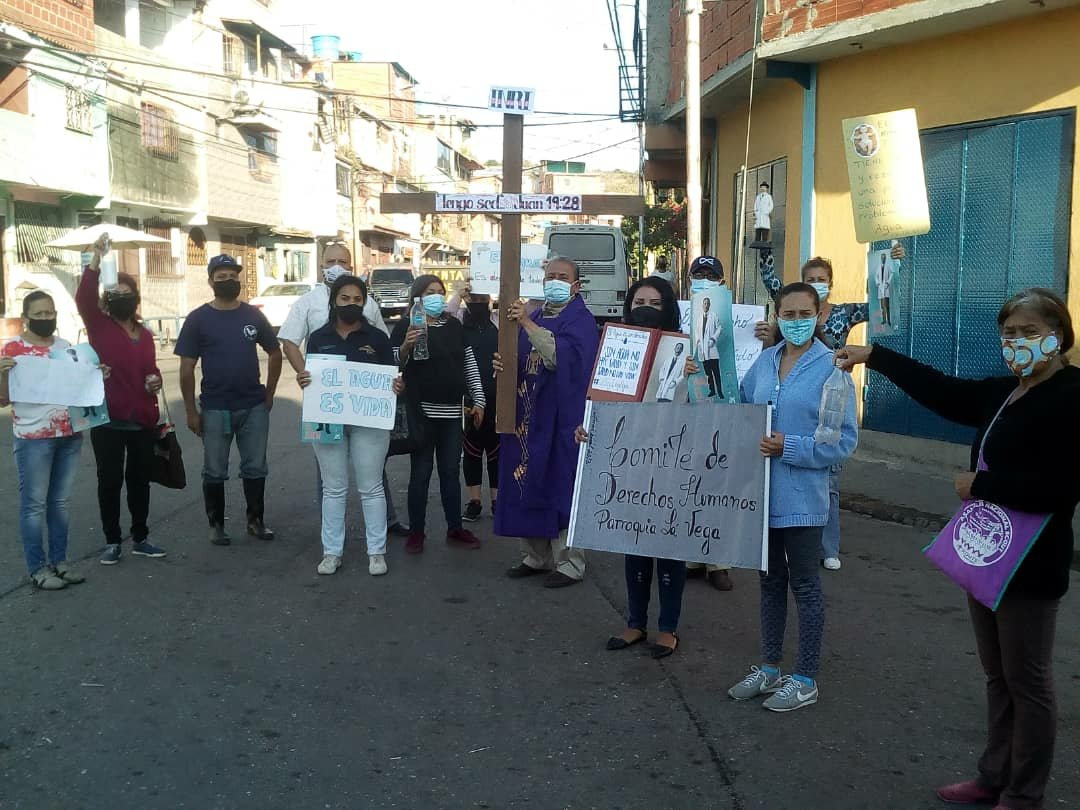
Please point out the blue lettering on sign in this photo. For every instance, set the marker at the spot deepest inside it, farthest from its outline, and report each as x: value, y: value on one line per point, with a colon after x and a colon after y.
x: 331, y: 403
x: 330, y: 378
x: 374, y: 381
x: 370, y: 406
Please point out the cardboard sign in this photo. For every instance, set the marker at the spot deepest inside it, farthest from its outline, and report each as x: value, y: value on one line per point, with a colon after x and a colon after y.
x: 508, y: 203
x: 744, y: 317
x: 885, y: 169
x: 484, y: 272
x: 344, y: 393
x: 680, y: 482
x: 621, y: 371
x: 712, y: 341
x: 512, y: 99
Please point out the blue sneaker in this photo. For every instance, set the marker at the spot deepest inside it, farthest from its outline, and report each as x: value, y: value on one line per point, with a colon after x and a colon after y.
x: 145, y: 549
x: 111, y: 555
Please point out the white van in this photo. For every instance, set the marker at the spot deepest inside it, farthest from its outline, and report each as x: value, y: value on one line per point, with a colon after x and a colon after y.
x: 600, y: 254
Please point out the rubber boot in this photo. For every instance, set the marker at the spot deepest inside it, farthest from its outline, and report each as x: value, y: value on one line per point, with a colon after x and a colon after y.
x: 214, y: 496
x: 254, y: 492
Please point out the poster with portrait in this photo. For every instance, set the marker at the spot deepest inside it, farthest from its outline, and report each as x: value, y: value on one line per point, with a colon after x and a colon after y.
x: 667, y: 379
x: 712, y: 343
x: 82, y: 417
x: 883, y: 273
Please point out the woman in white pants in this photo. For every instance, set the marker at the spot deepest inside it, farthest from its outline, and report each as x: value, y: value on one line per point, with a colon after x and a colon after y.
x: 348, y: 335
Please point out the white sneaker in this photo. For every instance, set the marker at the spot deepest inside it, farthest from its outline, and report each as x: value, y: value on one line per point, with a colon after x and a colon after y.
x: 330, y: 564
x: 832, y: 563
x: 377, y: 565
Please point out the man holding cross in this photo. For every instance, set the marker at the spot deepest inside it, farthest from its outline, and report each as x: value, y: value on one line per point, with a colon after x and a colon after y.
x: 556, y: 349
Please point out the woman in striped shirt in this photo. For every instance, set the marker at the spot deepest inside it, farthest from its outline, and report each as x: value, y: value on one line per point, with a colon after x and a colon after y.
x: 439, y: 384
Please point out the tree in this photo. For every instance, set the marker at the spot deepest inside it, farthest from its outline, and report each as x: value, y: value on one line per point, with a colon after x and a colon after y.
x: 665, y: 230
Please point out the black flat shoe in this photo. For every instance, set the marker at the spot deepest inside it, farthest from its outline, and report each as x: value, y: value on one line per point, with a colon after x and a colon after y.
x: 620, y: 643
x: 397, y: 530
x: 657, y: 651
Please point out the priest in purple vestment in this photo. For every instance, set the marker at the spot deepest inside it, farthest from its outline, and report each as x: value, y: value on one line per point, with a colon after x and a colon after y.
x: 556, y: 349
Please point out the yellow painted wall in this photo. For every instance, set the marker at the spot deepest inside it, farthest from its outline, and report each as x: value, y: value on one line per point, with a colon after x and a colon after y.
x: 1025, y: 66
x: 776, y: 133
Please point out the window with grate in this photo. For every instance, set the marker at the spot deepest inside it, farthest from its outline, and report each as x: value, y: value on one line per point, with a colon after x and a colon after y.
x: 444, y: 158
x: 159, y: 259
x: 232, y: 54
x: 344, y: 180
x: 35, y: 225
x: 342, y: 116
x: 196, y: 248
x: 297, y: 268
x: 79, y: 112
x: 160, y: 134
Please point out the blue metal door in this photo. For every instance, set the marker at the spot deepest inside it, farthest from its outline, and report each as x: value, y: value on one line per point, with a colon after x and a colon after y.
x: 1000, y: 198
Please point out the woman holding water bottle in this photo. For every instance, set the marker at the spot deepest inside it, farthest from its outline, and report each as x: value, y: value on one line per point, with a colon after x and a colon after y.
x: 123, y: 448
x: 805, y: 442
x: 438, y: 368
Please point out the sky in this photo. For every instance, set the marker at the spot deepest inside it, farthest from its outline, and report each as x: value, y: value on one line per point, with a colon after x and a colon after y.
x: 457, y: 50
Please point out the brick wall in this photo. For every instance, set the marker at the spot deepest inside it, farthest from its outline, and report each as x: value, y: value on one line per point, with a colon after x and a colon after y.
x: 67, y: 22
x: 784, y: 18
x: 727, y: 32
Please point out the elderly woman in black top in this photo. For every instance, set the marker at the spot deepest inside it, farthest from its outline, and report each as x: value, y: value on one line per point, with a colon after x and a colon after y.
x: 1032, y: 442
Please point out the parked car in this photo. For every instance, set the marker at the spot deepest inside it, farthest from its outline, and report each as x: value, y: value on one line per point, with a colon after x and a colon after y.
x: 390, y: 284
x: 277, y: 299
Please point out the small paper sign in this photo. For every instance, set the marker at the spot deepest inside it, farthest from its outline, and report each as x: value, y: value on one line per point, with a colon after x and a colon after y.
x: 484, y: 270
x: 512, y: 99
x: 622, y: 367
x: 344, y: 393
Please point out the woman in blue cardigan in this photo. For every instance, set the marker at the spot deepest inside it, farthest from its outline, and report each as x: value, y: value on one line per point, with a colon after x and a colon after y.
x: 791, y: 375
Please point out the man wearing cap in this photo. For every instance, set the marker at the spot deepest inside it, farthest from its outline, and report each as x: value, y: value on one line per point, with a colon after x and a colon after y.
x: 311, y: 312
x: 223, y: 334
x: 707, y: 273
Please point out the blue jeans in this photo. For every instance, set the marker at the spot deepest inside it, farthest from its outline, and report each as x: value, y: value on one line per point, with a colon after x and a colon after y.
x: 251, y: 428
x: 793, y: 558
x: 830, y: 538
x: 445, y: 444
x: 46, y: 470
x: 671, y: 577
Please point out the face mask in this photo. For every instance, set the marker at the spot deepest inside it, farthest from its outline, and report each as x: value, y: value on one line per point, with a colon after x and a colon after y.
x: 122, y: 306
x: 700, y: 285
x: 434, y: 305
x: 646, y: 317
x: 477, y: 310
x: 333, y: 273
x: 556, y: 291
x: 1025, y: 356
x: 350, y: 313
x: 227, y: 290
x: 42, y: 327
x: 822, y: 290
x: 798, y: 332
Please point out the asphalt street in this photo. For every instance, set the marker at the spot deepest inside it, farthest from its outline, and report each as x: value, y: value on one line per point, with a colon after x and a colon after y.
x: 238, y: 678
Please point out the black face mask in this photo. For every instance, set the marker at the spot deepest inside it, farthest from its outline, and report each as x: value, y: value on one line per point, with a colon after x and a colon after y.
x: 646, y: 317
x: 227, y: 290
x: 42, y: 327
x: 477, y: 310
x: 350, y: 314
x: 122, y: 306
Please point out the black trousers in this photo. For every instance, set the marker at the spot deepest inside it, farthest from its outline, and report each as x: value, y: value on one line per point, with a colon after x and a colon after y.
x: 123, y: 457
x: 712, y: 373
x: 480, y: 442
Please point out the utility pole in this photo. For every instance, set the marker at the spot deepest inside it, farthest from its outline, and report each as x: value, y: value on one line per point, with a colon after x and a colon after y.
x: 641, y: 193
x: 693, y: 128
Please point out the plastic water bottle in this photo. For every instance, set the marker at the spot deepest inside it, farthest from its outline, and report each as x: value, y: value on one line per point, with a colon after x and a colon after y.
x: 834, y: 401
x: 418, y: 321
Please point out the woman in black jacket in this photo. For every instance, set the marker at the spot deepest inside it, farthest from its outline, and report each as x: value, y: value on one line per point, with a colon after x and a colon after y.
x: 1030, y: 451
x: 438, y: 386
x: 480, y: 440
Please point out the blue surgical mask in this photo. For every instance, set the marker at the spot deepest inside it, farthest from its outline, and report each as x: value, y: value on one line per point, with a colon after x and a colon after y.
x: 1025, y: 356
x: 799, y: 331
x: 700, y: 285
x: 556, y: 291
x: 434, y: 304
x: 822, y: 290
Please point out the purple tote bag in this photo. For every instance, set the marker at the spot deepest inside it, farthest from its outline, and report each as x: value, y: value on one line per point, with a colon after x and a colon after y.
x: 983, y: 545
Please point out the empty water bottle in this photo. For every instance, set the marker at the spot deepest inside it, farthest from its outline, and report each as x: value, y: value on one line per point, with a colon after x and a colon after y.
x: 418, y: 321
x: 834, y: 401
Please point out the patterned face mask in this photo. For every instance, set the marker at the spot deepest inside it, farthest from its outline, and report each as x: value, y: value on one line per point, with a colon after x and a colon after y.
x: 1025, y: 356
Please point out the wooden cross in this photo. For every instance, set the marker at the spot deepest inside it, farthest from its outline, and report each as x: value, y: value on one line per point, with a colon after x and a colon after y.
x: 511, y: 204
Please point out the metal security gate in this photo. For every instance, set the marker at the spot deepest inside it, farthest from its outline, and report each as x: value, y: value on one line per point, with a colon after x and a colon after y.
x: 1000, y: 205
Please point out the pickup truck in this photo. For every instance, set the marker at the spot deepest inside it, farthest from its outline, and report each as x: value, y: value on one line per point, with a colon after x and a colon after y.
x: 390, y: 285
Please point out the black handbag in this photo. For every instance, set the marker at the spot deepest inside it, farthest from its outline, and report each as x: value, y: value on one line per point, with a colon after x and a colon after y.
x: 411, y: 431
x: 167, y: 467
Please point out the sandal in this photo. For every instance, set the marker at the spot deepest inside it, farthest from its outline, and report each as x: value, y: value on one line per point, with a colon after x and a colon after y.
x: 662, y: 650
x: 45, y: 579
x: 620, y: 643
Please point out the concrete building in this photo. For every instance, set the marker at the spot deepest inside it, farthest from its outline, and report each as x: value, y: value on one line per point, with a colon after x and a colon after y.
x: 444, y: 164
x: 995, y: 90
x: 54, y: 162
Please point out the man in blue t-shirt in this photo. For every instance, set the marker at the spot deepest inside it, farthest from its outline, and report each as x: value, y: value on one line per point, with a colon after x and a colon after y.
x: 224, y: 334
